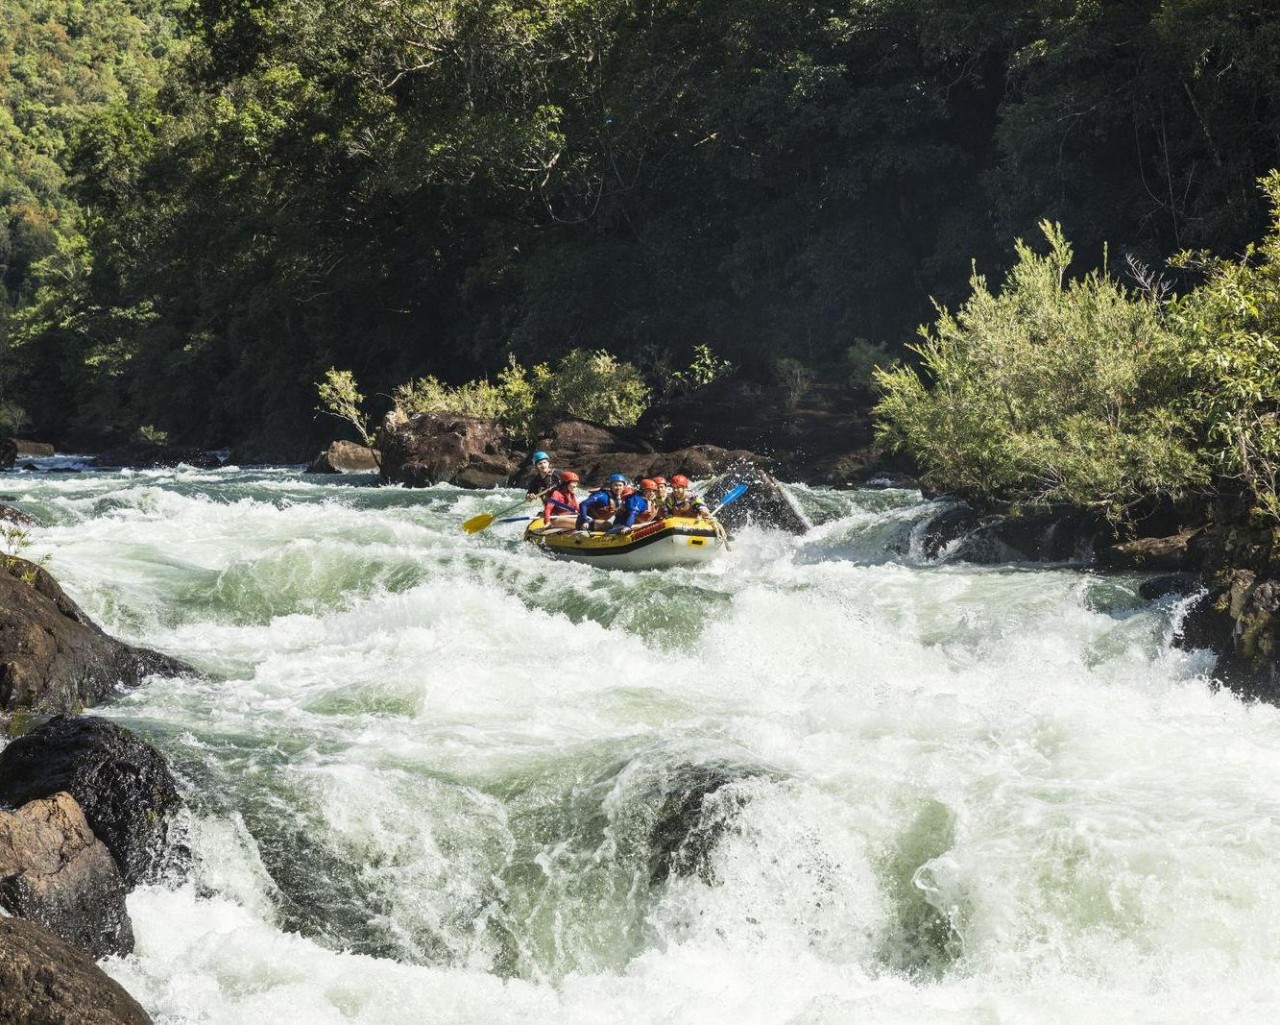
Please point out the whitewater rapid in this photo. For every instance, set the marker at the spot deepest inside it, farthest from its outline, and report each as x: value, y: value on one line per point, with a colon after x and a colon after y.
x: 425, y: 770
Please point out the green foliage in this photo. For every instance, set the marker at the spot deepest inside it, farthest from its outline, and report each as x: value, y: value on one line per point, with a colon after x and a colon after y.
x: 150, y: 435
x: 794, y: 378
x: 861, y: 360
x: 592, y: 385
x: 1047, y: 390
x: 340, y: 396
x: 1232, y: 324
x: 704, y: 368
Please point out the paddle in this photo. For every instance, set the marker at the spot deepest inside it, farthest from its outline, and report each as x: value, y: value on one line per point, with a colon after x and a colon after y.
x: 732, y: 495
x: 479, y: 523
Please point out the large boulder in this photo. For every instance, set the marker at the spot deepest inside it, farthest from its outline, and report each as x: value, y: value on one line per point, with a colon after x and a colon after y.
x: 122, y: 783
x: 54, y: 871
x: 8, y: 453
x: 345, y: 457
x: 34, y: 448
x: 439, y: 448
x: 52, y: 656
x: 45, y: 981
x: 766, y: 502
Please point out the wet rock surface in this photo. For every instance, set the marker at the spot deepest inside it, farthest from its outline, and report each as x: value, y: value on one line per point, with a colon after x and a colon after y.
x: 446, y: 448
x: 123, y: 785
x: 46, y: 981
x: 52, y: 656
x: 766, y: 502
x: 345, y: 457
x: 54, y: 871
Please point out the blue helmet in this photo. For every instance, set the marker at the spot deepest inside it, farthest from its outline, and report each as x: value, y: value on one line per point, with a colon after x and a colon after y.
x: 539, y: 456
x: 616, y: 478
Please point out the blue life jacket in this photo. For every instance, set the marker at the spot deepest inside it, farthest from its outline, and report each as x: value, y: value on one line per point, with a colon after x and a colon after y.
x: 632, y: 506
x: 596, y: 506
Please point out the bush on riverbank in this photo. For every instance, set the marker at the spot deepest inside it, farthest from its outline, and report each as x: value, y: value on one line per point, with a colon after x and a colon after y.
x: 1092, y: 394
x: 1046, y: 390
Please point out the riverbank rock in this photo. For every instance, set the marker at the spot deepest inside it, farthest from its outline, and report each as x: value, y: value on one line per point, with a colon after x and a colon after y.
x: 54, y: 871
x: 8, y: 453
x: 445, y: 448
x: 34, y: 448
x: 958, y: 531
x: 345, y: 457
x: 45, y: 981
x: 1174, y: 554
x: 53, y: 658
x: 127, y: 793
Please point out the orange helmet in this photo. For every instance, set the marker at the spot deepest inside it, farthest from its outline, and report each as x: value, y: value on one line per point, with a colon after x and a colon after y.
x: 569, y: 477
x: 648, y: 485
x: 679, y: 481
x: 628, y: 491
x: 659, y: 480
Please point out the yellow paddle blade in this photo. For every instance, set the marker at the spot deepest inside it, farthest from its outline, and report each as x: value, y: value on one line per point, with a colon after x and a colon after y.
x: 478, y: 523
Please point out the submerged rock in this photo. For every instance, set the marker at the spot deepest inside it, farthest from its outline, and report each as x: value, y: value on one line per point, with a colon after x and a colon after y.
x: 960, y: 532
x: 46, y: 981
x: 696, y: 809
x: 54, y: 871
x: 53, y: 658
x: 122, y: 783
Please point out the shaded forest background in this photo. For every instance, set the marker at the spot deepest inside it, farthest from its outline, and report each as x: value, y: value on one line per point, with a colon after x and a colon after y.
x: 206, y: 203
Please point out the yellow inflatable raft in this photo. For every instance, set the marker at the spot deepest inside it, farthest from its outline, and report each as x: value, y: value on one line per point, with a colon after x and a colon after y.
x: 678, y: 541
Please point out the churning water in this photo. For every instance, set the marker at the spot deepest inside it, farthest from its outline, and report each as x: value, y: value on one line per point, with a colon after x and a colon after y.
x: 439, y: 778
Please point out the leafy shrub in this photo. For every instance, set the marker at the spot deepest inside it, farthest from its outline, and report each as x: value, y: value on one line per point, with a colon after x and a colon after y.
x: 861, y: 360
x: 1048, y: 390
x: 592, y: 385
x: 794, y: 378
x: 1232, y: 326
x: 703, y: 369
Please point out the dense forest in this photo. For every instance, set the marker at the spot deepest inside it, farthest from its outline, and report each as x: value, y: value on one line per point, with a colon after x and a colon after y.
x: 210, y: 202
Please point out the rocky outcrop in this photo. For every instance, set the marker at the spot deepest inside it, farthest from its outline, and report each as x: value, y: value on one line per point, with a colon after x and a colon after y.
x: 121, y: 782
x: 766, y: 502
x: 54, y: 871
x: 34, y: 448
x: 445, y: 448
x: 8, y: 453
x: 345, y: 457
x: 45, y: 981
x: 958, y: 531
x: 52, y: 656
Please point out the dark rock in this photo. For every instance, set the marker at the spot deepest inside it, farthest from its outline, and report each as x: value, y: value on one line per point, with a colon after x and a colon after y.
x: 962, y: 533
x: 16, y: 516
x: 34, y: 448
x: 1172, y: 554
x: 697, y: 807
x: 45, y: 981
x: 436, y: 448
x: 54, y: 871
x: 345, y: 457
x: 1170, y: 583
x: 8, y: 453
x: 121, y: 782
x: 145, y: 456
x: 53, y: 658
x: 698, y: 462
x: 766, y: 503
x: 571, y: 442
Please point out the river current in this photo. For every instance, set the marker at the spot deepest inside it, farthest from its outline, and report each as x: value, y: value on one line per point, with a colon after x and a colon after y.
x: 431, y: 775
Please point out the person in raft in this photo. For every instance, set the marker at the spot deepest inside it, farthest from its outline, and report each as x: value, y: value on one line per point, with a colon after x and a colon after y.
x: 682, y: 503
x: 561, y: 508
x: 597, y: 508
x: 543, y: 478
x: 637, y: 508
x: 664, y: 493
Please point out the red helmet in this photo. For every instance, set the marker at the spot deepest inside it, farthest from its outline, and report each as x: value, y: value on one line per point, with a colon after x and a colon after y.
x: 648, y: 485
x: 659, y: 480
x: 628, y: 491
x: 569, y: 477
x: 679, y: 481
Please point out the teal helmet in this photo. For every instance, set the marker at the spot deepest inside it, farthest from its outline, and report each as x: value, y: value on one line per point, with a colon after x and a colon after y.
x: 539, y: 456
